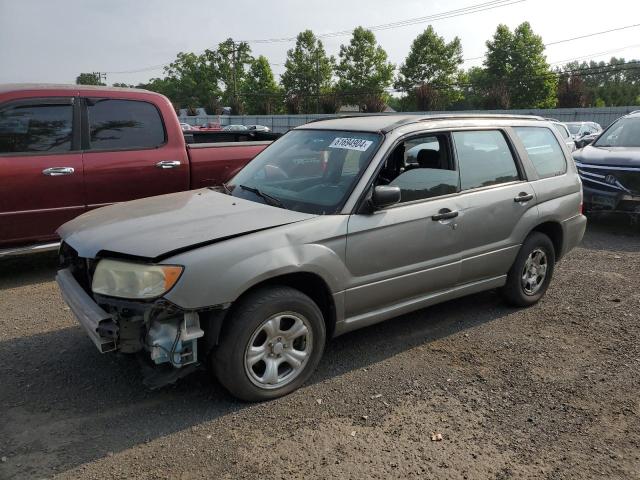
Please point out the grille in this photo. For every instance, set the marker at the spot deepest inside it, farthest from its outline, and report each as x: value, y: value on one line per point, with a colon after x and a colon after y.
x: 81, y: 268
x: 612, y: 178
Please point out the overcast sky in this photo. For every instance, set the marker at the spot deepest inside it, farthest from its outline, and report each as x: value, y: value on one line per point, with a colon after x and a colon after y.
x: 55, y: 40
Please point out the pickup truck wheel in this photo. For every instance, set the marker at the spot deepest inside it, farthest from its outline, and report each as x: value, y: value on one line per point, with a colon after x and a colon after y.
x: 530, y: 274
x: 273, y: 343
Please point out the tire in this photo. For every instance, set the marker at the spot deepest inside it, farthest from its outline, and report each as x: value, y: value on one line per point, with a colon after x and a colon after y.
x: 259, y: 356
x: 521, y: 290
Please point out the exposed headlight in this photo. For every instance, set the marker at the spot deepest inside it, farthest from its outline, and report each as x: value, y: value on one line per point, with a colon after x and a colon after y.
x: 134, y: 280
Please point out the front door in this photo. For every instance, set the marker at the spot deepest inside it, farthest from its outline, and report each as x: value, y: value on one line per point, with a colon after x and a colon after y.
x: 411, y: 249
x: 127, y: 153
x: 41, y: 175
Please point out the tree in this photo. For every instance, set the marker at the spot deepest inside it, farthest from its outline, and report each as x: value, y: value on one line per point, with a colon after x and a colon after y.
x: 90, y: 79
x: 123, y: 85
x: 190, y: 81
x: 232, y: 61
x: 517, y: 70
x: 363, y: 71
x: 431, y: 71
x: 260, y: 91
x: 308, y: 74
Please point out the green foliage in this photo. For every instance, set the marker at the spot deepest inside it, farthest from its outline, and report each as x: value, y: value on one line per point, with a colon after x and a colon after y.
x: 431, y: 71
x: 123, y: 85
x: 232, y: 61
x: 612, y: 83
x: 89, y: 79
x: 260, y: 90
x: 190, y: 81
x: 308, y: 74
x: 363, y: 71
x: 517, y: 72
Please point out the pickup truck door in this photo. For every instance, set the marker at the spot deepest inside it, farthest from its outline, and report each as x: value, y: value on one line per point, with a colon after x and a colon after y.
x: 130, y: 152
x: 40, y: 168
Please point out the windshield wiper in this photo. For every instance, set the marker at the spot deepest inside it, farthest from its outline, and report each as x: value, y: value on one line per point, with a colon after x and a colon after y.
x: 273, y: 201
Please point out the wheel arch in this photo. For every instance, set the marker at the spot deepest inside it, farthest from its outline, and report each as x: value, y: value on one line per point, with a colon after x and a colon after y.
x: 307, y: 282
x: 554, y: 231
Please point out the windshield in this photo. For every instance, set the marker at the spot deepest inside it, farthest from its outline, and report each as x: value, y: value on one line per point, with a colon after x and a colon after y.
x: 574, y: 128
x: 309, y: 171
x: 623, y: 133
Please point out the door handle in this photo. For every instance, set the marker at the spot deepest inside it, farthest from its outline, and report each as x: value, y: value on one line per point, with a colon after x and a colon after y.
x: 164, y: 164
x: 444, y: 214
x: 523, y: 197
x: 58, y: 171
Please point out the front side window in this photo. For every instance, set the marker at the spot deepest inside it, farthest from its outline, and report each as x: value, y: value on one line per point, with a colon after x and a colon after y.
x: 422, y: 167
x: 543, y: 150
x: 310, y: 171
x: 124, y: 124
x: 623, y: 133
x: 44, y: 128
x: 484, y: 159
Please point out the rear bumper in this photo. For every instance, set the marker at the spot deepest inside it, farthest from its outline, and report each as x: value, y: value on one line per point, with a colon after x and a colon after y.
x: 92, y: 318
x: 574, y: 229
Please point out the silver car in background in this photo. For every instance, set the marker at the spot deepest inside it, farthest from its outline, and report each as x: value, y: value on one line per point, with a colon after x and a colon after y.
x: 337, y: 225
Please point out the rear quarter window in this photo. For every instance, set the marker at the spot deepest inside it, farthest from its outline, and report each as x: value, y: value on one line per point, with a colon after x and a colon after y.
x: 543, y: 150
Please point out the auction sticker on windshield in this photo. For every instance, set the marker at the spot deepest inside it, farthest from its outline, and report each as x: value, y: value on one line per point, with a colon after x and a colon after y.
x: 351, y: 144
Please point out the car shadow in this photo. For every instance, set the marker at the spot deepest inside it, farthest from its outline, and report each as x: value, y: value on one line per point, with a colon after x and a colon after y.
x: 63, y: 404
x: 29, y: 269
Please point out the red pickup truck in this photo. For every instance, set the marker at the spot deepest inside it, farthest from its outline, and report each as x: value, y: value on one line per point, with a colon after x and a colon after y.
x: 68, y: 149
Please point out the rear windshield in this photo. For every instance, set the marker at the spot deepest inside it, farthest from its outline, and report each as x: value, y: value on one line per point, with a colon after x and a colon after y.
x: 310, y: 171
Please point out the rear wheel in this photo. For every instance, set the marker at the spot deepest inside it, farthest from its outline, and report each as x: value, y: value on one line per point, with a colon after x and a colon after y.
x: 530, y: 274
x: 273, y: 343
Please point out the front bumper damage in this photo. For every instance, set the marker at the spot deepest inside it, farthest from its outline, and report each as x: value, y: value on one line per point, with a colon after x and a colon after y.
x: 610, y: 188
x: 170, y: 341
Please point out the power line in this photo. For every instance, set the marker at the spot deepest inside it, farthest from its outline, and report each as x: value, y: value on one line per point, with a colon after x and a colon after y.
x: 596, y: 54
x: 476, y: 8
x: 574, y: 38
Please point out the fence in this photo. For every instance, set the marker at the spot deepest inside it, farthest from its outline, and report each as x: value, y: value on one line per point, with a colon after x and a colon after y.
x: 282, y: 123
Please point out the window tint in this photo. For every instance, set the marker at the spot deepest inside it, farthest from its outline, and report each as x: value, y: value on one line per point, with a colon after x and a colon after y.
x: 421, y: 167
x: 36, y: 128
x: 543, y: 150
x: 124, y: 124
x: 484, y: 159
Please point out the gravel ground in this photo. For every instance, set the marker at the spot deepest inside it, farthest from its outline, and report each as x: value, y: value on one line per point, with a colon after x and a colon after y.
x: 546, y: 392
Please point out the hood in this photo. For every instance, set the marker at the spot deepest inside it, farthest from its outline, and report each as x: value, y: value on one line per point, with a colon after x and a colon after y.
x: 609, y: 156
x: 158, y: 227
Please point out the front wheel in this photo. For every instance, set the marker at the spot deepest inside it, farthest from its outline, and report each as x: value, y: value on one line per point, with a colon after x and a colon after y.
x: 530, y: 274
x: 273, y: 343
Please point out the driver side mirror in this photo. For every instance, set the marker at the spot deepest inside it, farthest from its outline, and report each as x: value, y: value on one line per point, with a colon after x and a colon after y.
x: 384, y: 196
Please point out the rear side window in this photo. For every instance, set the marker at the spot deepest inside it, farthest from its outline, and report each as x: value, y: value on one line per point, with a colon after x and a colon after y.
x: 543, y: 150
x: 484, y: 159
x: 124, y: 125
x: 36, y: 128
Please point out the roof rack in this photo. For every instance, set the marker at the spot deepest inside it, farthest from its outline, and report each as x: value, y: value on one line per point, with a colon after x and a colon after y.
x: 461, y: 116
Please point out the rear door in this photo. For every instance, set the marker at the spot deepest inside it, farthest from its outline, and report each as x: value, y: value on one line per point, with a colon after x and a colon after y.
x: 40, y: 168
x: 127, y: 153
x: 499, y: 205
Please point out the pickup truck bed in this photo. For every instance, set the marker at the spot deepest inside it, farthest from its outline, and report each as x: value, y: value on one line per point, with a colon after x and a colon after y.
x: 68, y: 149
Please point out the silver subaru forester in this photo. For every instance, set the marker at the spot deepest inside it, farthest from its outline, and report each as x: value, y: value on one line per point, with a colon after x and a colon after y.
x: 339, y: 224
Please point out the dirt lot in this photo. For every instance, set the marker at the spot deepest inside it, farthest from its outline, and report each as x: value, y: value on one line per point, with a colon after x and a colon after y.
x: 548, y: 392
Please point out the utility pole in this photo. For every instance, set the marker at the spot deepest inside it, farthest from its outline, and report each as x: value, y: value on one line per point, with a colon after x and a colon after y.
x: 100, y: 76
x: 317, y: 80
x: 233, y: 72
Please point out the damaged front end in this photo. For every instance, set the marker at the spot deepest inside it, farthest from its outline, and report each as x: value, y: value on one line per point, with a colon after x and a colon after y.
x: 172, y: 341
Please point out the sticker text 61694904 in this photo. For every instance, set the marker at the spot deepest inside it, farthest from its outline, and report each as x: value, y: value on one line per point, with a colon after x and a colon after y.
x: 351, y: 144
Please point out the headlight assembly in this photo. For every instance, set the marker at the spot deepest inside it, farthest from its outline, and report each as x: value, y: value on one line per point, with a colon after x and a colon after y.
x: 116, y: 278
